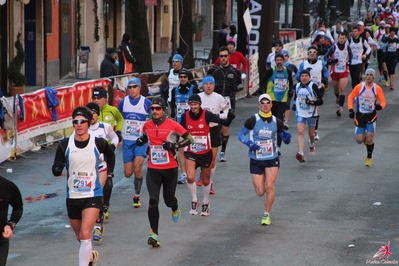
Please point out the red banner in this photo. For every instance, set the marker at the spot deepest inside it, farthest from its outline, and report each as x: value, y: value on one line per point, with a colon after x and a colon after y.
x: 35, y: 104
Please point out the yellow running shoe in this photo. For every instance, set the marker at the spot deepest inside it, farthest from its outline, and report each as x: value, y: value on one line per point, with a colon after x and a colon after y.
x: 106, y: 213
x: 266, y: 220
x: 153, y: 240
x: 136, y: 202
x: 386, y: 83
x: 369, y: 162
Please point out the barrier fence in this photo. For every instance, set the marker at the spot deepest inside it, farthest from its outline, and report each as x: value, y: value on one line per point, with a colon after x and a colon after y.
x: 33, y: 123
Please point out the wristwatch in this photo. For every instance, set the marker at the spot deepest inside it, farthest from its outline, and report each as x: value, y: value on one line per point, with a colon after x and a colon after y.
x: 11, y: 224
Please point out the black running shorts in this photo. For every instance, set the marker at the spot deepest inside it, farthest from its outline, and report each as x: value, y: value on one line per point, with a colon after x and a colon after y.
x: 76, y: 206
x: 257, y: 167
x: 201, y: 160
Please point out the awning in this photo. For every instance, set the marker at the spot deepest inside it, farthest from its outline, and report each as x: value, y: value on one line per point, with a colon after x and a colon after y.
x: 151, y: 2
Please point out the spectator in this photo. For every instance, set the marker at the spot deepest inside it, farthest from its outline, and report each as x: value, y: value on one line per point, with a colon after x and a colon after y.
x: 108, y: 67
x: 232, y: 34
x: 126, y: 59
x: 222, y: 35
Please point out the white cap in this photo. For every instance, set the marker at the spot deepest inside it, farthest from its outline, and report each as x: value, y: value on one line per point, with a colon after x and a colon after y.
x: 382, y: 22
x: 370, y: 71
x: 360, y: 23
x: 264, y: 96
x: 379, y: 5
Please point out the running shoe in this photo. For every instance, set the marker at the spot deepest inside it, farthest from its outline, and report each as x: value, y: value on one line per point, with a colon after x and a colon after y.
x: 300, y: 157
x: 94, y: 259
x: 212, y: 191
x: 316, y: 136
x: 205, y: 209
x: 176, y: 215
x: 386, y: 83
x: 326, y: 88
x: 153, y: 239
x: 106, y: 212
x: 381, y: 79
x: 222, y: 158
x: 337, y: 102
x: 266, y: 220
x: 312, y: 150
x: 183, y: 179
x: 339, y: 112
x: 97, y: 234
x: 194, y: 208
x: 369, y: 162
x: 391, y: 87
x: 136, y: 202
x: 286, y: 124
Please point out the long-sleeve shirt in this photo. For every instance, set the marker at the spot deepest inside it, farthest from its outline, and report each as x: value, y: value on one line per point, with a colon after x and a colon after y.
x: 236, y: 60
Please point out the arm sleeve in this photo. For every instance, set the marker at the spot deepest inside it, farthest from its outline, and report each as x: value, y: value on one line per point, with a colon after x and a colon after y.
x: 59, y: 159
x: 210, y: 117
x: 111, y: 134
x: 244, y: 63
x: 280, y: 125
x: 325, y: 71
x: 298, y: 73
x: 368, y: 48
x: 329, y: 53
x: 242, y: 135
x: 120, y: 105
x: 173, y: 99
x: 103, y: 147
x: 16, y: 204
x: 290, y: 82
x: 319, y: 95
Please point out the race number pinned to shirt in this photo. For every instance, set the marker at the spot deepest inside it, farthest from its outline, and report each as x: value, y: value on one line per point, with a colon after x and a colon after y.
x: 227, y: 101
x: 82, y: 182
x: 200, y: 144
x: 159, y: 155
x: 266, y: 149
x: 134, y: 128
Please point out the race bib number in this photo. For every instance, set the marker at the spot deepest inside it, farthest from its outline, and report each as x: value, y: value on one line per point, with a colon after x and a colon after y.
x: 302, y: 104
x: 134, y: 128
x: 159, y: 155
x: 82, y: 182
x: 340, y: 66
x: 316, y: 80
x: 182, y: 107
x: 366, y: 105
x: 280, y: 85
x: 200, y: 144
x: 266, y: 149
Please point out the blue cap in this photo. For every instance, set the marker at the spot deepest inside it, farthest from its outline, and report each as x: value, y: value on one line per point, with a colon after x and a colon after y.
x: 135, y: 81
x: 207, y: 79
x: 178, y: 57
x: 285, y: 52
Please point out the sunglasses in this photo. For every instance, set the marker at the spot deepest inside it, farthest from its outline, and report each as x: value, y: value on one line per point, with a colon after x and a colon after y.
x: 183, y: 77
x: 132, y: 87
x: 265, y: 102
x: 175, y: 60
x: 96, y: 98
x: 312, y: 52
x: 223, y: 55
x: 156, y: 108
x: 79, y: 121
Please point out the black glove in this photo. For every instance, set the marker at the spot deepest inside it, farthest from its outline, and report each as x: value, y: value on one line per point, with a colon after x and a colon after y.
x: 334, y: 61
x: 378, y: 107
x: 293, y: 108
x: 308, y: 101
x: 231, y: 115
x: 57, y: 168
x: 112, y: 146
x: 169, y: 146
x: 351, y: 113
x: 290, y: 93
x: 119, y: 134
x: 142, y: 140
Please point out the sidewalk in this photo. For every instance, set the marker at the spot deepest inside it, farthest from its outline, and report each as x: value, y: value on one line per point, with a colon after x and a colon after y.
x: 159, y: 63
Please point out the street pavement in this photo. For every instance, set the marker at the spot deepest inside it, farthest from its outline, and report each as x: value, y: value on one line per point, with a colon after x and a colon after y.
x: 321, y: 206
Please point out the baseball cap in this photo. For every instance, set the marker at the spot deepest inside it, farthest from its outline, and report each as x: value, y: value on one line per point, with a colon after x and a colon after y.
x: 264, y: 96
x: 387, y: 26
x: 99, y: 92
x: 360, y: 23
x: 285, y: 52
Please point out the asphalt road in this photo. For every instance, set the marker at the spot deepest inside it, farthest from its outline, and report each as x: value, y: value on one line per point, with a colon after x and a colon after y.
x: 321, y: 206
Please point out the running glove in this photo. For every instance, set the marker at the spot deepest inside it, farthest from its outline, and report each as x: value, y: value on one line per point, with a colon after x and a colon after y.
x: 352, y: 113
x: 119, y: 134
x: 285, y: 136
x: 378, y: 107
x: 293, y: 108
x: 252, y: 146
x: 142, y: 140
x: 169, y: 146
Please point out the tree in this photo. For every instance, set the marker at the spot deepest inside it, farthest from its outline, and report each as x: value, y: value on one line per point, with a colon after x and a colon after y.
x: 297, y: 19
x: 136, y: 27
x: 219, y: 11
x: 186, y: 34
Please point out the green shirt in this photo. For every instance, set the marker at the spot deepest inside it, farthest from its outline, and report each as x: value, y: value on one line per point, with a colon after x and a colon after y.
x: 111, y: 115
